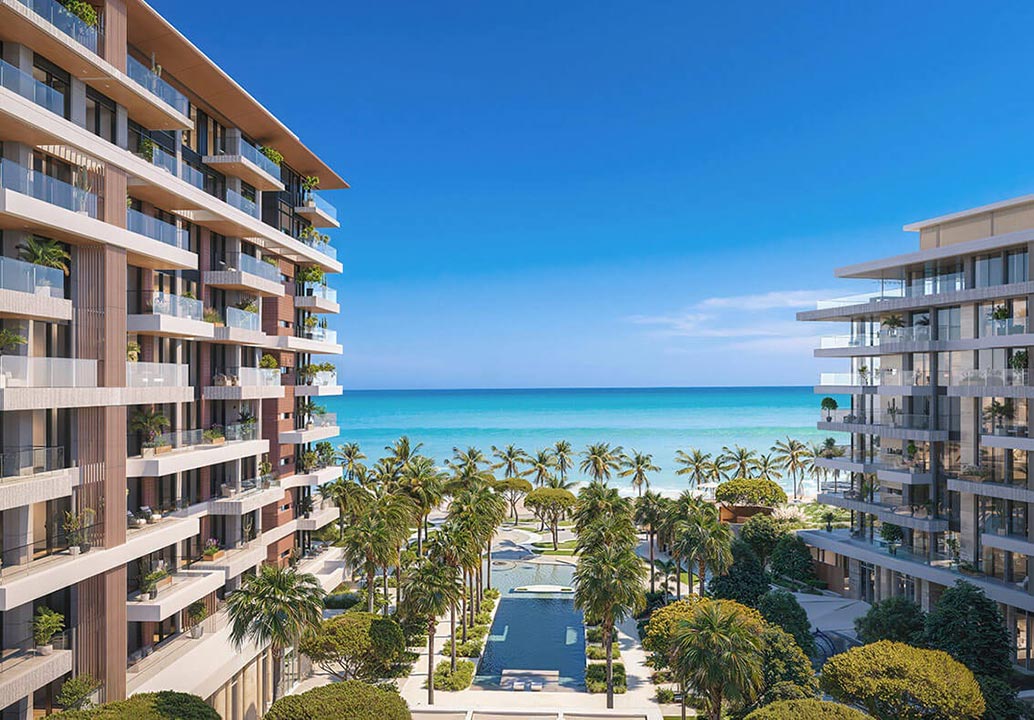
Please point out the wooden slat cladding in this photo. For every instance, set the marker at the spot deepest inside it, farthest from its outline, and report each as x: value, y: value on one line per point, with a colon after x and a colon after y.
x: 102, y: 632
x: 115, y: 32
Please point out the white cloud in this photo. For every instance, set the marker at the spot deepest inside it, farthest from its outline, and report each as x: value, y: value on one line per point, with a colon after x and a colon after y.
x: 768, y: 301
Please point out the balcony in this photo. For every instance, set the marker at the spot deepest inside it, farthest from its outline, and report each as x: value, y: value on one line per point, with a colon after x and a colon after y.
x: 34, y: 474
x: 244, y: 383
x: 980, y: 480
x: 158, y: 383
x: 183, y: 450
x: 887, y: 381
x: 316, y: 298
x: 245, y: 496
x: 236, y: 560
x: 238, y: 271
x: 990, y: 382
x: 23, y: 670
x: 20, y: 179
x: 165, y: 314
x: 33, y: 291
x: 31, y: 89
x: 889, y: 510
x: 310, y: 340
x: 245, y: 205
x: 1004, y: 328
x: 184, y: 588
x: 896, y: 468
x: 899, y: 426
x: 249, y: 164
x: 157, y: 229
x: 318, y: 212
x: 319, y: 427
x: 935, y: 567
x: 1000, y: 539
x: 1004, y: 432
x: 846, y: 459
x: 38, y: 383
x: 318, y: 519
x: 320, y: 384
x: 150, y: 81
x: 312, y: 478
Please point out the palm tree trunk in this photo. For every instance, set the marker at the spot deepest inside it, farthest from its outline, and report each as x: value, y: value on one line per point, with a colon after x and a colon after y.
x: 682, y: 692
x: 431, y: 626
x: 398, y: 585
x: 678, y: 578
x: 463, y: 611
x: 716, y: 704
x: 371, y: 588
x: 703, y: 571
x: 470, y: 582
x: 387, y: 593
x: 649, y: 538
x: 419, y: 538
x: 452, y: 623
x: 488, y: 567
x: 608, y: 641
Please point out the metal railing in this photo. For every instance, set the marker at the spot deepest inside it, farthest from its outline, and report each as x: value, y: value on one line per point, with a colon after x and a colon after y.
x: 42, y: 372
x: 31, y: 278
x: 26, y: 461
x: 311, y: 289
x: 146, y: 78
x: 31, y: 89
x: 242, y: 319
x: 157, y: 375
x: 48, y: 189
x: 156, y: 229
x: 67, y: 22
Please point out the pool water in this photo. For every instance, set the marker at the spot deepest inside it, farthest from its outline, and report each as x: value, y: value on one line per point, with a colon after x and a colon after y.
x: 533, y: 631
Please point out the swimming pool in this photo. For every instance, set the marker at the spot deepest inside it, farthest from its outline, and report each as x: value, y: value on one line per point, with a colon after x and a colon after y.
x: 533, y: 631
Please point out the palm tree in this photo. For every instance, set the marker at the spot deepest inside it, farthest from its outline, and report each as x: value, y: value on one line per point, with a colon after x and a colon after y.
x: 350, y: 457
x: 510, y: 458
x: 767, y: 467
x: 425, y: 485
x: 151, y: 422
x: 45, y: 252
x: 636, y: 466
x: 608, y: 587
x: 791, y: 455
x: 666, y: 570
x: 402, y: 451
x: 718, y: 652
x: 431, y: 589
x: 696, y: 464
x: 541, y: 465
x: 740, y: 459
x: 467, y: 462
x: 600, y: 461
x: 719, y: 469
x: 445, y: 548
x: 703, y: 536
x: 276, y: 607
x: 564, y: 456
x: 373, y: 539
x: 648, y: 510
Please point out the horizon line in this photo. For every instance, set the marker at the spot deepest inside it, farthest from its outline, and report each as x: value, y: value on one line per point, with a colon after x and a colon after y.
x: 574, y: 387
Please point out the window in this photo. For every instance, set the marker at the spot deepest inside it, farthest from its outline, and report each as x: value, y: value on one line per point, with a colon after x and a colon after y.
x: 100, y: 115
x: 1016, y: 265
x: 52, y: 76
x: 989, y: 271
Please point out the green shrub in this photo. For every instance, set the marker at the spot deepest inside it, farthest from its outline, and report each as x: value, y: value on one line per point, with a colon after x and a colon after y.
x: 806, y: 710
x: 471, y: 648
x: 483, y: 618
x: 341, y: 601
x: 792, y: 558
x: 596, y: 677
x: 487, y: 605
x: 163, y: 705
x: 750, y: 491
x: 446, y: 679
x: 596, y: 652
x: 594, y: 634
x: 762, y: 532
x: 491, y: 594
x: 478, y: 632
x: 665, y: 696
x: 350, y: 699
x: 781, y: 608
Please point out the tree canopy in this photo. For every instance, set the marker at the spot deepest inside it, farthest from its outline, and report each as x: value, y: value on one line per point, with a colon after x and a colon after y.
x: 894, y: 681
x: 661, y: 629
x: 750, y: 491
x: 163, y: 705
x: 791, y: 558
x: 745, y: 582
x: 348, y: 700
x: 762, y: 532
x: 781, y: 608
x: 967, y: 625
x: 806, y: 710
x: 897, y: 618
x: 354, y: 645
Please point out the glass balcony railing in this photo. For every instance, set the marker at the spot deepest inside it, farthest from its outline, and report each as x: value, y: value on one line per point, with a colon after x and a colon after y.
x: 143, y: 76
x: 30, y: 278
x: 999, y: 328
x: 163, y: 303
x: 67, y: 22
x: 1004, y: 427
x: 192, y: 175
x: 890, y: 291
x: 251, y: 377
x: 179, y: 438
x: 320, y: 420
x: 906, y: 421
x: 322, y: 205
x: 23, y: 461
x: 156, y: 229
x: 48, y: 189
x: 157, y: 375
x: 324, y: 247
x: 992, y: 377
x: 829, y: 342
x: 319, y: 290
x: 242, y: 319
x: 235, y: 199
x: 886, y: 377
x: 255, y: 155
x: 254, y: 266
x: 31, y: 89
x: 44, y: 372
x: 916, y: 333
x: 241, y: 431
x: 319, y: 334
x: 163, y: 159
x: 321, y: 379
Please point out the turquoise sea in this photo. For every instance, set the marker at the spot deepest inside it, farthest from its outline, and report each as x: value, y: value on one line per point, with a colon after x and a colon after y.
x: 655, y: 420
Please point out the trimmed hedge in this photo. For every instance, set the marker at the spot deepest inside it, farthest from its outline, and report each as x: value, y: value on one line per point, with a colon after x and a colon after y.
x: 351, y: 700
x: 750, y: 491
x: 597, y: 652
x: 806, y: 710
x: 445, y: 679
x: 341, y: 601
x: 163, y: 705
x: 483, y: 618
x: 469, y: 649
x: 596, y: 677
x: 491, y: 593
x: 594, y: 634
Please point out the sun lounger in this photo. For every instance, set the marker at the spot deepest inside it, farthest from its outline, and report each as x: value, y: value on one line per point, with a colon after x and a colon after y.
x: 535, y: 686
x: 518, y: 685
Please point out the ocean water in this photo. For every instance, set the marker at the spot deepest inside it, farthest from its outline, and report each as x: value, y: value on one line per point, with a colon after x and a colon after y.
x: 654, y: 420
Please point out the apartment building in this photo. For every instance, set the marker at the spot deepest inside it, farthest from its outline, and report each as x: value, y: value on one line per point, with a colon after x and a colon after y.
x: 935, y: 363
x: 163, y: 347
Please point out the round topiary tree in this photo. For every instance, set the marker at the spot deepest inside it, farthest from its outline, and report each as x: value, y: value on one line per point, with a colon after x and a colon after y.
x: 781, y: 608
x: 806, y: 710
x: 899, y: 619
x: 163, y: 705
x: 348, y: 700
x: 894, y: 681
x: 750, y: 491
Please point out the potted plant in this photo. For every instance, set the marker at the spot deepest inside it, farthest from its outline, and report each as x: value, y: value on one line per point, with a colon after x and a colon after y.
x: 309, y: 410
x: 893, y: 412
x: 273, y: 154
x: 308, y: 461
x: 863, y: 373
x: 149, y: 583
x: 952, y: 543
x: 212, y: 551
x: 325, y: 451
x: 83, y: 189
x: 268, y: 362
x: 305, y: 505
x: 1018, y: 362
x: 132, y: 351
x: 309, y: 185
x: 306, y: 374
x: 211, y: 315
x: 151, y: 423
x: 197, y: 611
x: 146, y: 149
x: 248, y: 304
x: 310, y: 324
x: 892, y: 535
x: 214, y: 435
x: 76, y: 526
x: 893, y: 322
x: 45, y: 625
x: 828, y: 517
x: 829, y: 405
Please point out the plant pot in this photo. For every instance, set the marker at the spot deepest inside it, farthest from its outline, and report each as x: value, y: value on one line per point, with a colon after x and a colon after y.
x: 73, y: 550
x: 45, y: 649
x: 309, y: 425
x: 84, y: 547
x: 147, y: 452
x: 310, y: 202
x: 214, y: 556
x: 153, y: 594
x: 161, y: 450
x: 829, y: 418
x: 197, y: 631
x: 829, y: 527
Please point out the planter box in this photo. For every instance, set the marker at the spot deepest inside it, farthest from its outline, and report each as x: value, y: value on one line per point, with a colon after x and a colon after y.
x: 215, y: 556
x: 216, y: 441
x: 163, y: 449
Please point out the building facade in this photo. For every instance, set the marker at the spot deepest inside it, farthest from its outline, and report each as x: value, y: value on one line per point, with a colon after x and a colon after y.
x: 163, y: 347
x: 935, y: 369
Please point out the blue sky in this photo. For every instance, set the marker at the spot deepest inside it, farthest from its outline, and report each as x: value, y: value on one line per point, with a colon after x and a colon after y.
x: 597, y: 193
